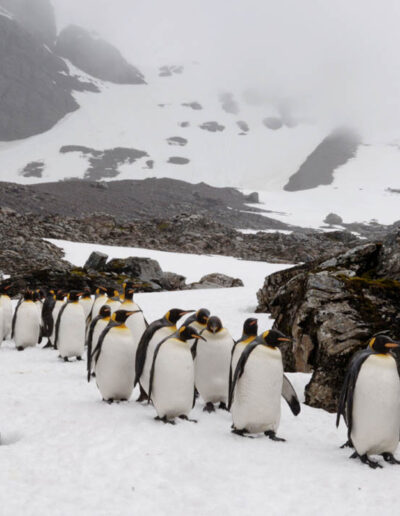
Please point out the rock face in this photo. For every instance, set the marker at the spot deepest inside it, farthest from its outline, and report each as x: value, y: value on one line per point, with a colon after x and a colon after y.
x: 334, y: 151
x: 36, y: 17
x: 35, y: 85
x: 96, y: 57
x: 331, y: 308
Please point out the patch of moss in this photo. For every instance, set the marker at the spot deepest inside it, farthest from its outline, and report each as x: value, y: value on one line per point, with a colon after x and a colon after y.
x: 163, y: 226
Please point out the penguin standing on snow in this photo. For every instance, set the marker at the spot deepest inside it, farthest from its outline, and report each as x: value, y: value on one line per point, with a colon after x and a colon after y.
x: 154, y: 333
x: 56, y: 310
x: 171, y: 387
x: 70, y: 328
x: 97, y: 326
x: 5, y: 303
x: 198, y: 320
x: 250, y: 332
x: 211, y: 364
x: 370, y: 402
x: 86, y: 302
x: 114, y: 359
x: 47, y: 316
x: 136, y: 323
x: 99, y: 300
x: 26, y: 323
x: 255, y: 398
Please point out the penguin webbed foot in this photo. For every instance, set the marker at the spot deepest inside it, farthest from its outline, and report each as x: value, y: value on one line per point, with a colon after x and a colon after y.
x: 365, y: 460
x: 241, y: 433
x: 66, y: 359
x: 20, y: 348
x: 209, y: 407
x: 185, y: 418
x: 223, y: 406
x: 142, y: 396
x: 165, y: 420
x: 79, y: 358
x: 272, y: 435
x: 109, y: 401
x: 347, y: 444
x: 390, y: 458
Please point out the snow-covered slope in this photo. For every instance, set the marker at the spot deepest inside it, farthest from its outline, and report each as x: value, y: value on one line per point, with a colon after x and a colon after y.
x: 66, y: 452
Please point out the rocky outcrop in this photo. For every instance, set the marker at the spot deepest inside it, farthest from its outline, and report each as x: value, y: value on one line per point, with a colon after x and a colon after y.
x: 331, y: 308
x: 35, y: 85
x: 96, y: 57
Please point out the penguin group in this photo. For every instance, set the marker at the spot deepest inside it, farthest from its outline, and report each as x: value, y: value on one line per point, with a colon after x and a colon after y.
x: 189, y: 354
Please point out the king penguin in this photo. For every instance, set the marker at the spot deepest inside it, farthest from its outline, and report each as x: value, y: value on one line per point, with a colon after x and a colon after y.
x: 114, y: 359
x: 99, y: 300
x: 249, y: 333
x: 96, y: 327
x: 60, y: 295
x: 86, y: 301
x: 47, y: 316
x: 5, y: 303
x: 26, y: 323
x: 70, y: 328
x: 255, y: 398
x: 154, y: 333
x: 171, y: 387
x: 211, y: 364
x: 370, y: 402
x: 198, y: 320
x: 113, y: 300
x: 137, y: 322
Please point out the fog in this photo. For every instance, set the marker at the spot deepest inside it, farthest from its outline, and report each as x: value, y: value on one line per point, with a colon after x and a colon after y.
x: 335, y: 61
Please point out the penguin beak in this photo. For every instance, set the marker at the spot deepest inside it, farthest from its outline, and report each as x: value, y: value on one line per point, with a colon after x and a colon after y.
x: 132, y: 312
x: 186, y: 312
x: 199, y: 337
x: 391, y: 345
x: 284, y: 339
x: 253, y: 322
x: 8, y: 287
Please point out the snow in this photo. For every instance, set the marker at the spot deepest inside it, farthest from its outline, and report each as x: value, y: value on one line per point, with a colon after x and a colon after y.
x: 66, y: 452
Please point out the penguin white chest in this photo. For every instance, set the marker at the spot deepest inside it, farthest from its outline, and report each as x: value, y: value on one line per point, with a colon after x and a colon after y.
x: 56, y: 310
x: 27, y: 325
x: 135, y: 322
x: 173, y: 382
x: 239, y: 348
x: 257, y: 398
x: 6, y: 304
x: 115, y: 367
x: 86, y: 304
x: 159, y: 335
x: 97, y: 304
x: 71, y: 333
x: 212, y: 365
x: 376, y: 406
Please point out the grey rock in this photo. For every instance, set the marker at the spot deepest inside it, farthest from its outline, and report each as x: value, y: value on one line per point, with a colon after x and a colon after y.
x: 177, y: 160
x: 229, y: 104
x: 96, y: 57
x: 177, y: 140
x: 194, y: 105
x: 212, y: 127
x: 33, y: 169
x: 96, y: 261
x: 333, y: 219
x: 217, y: 280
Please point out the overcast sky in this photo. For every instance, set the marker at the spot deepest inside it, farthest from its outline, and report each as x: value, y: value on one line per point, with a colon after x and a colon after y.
x: 338, y: 57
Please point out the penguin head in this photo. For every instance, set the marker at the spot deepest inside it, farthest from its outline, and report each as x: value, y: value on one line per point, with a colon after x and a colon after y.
x: 101, y: 291
x: 128, y: 284
x: 186, y: 333
x: 86, y: 293
x: 74, y: 295
x: 60, y: 295
x: 4, y: 289
x: 129, y: 294
x: 250, y: 327
x: 105, y: 311
x: 120, y: 316
x: 214, y: 324
x: 28, y: 295
x: 35, y: 295
x: 273, y: 338
x: 202, y: 316
x: 112, y: 293
x: 382, y: 344
x: 173, y: 315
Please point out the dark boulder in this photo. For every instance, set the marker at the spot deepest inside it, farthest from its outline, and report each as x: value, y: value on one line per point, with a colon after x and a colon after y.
x: 96, y: 261
x: 96, y: 57
x: 217, y: 280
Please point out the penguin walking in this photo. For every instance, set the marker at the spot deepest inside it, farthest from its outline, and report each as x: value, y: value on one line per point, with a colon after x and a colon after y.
x: 114, y: 359
x: 70, y: 328
x: 47, y: 316
x: 59, y: 302
x: 211, y: 364
x: 137, y: 322
x: 5, y: 303
x: 26, y: 323
x: 96, y: 327
x: 249, y: 333
x: 86, y: 301
x: 154, y: 333
x: 370, y: 402
x: 113, y: 299
x: 171, y: 387
x: 255, y: 398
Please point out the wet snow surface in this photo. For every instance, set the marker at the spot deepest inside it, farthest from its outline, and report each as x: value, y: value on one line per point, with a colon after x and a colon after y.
x: 66, y: 452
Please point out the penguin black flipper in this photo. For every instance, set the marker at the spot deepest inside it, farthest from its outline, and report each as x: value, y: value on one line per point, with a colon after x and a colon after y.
x: 240, y: 368
x: 345, y: 407
x: 143, y: 344
x: 89, y: 345
x: 230, y: 365
x: 58, y: 323
x: 290, y: 396
x: 97, y: 352
x: 47, y: 316
x: 14, y: 319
